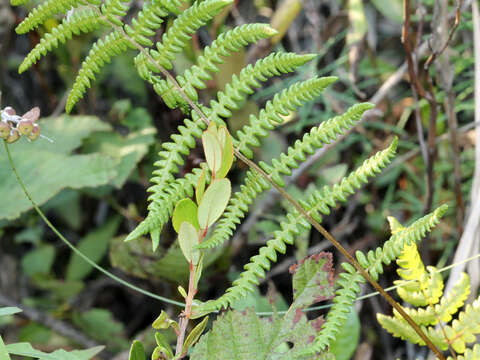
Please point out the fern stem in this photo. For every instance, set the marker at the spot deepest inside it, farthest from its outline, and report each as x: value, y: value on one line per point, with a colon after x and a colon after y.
x: 74, y: 249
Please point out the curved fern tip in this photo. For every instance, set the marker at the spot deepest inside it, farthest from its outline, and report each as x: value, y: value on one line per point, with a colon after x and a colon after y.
x: 270, y: 31
x: 441, y: 210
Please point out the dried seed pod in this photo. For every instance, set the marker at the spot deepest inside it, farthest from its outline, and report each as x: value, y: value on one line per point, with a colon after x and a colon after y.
x: 5, y: 129
x: 14, y: 136
x: 25, y: 127
x: 10, y: 111
x: 32, y: 115
x: 35, y: 133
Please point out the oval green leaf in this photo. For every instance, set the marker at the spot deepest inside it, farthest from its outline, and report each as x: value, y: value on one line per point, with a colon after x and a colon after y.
x: 186, y: 210
x: 187, y: 239
x: 137, y: 352
x: 213, y: 151
x: 227, y: 152
x: 214, y: 202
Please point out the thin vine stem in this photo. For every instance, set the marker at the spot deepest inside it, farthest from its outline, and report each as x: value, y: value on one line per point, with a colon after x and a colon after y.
x: 77, y: 251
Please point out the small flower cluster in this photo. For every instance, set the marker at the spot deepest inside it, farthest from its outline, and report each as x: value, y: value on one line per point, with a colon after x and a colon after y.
x: 12, y: 126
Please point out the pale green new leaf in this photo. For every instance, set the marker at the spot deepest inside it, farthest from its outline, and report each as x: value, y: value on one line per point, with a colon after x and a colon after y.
x: 187, y: 239
x: 214, y: 202
x: 5, y: 311
x: 186, y: 210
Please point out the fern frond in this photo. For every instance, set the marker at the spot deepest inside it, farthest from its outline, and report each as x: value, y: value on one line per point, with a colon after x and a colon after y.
x: 470, y: 354
x: 400, y: 328
x: 393, y: 247
x: 196, y: 76
x: 160, y: 211
x: 254, y: 184
x: 149, y: 19
x: 175, y: 39
x: 81, y: 21
x: 46, y: 10
x: 288, y: 100
x: 465, y: 329
x: 443, y: 311
x: 114, y: 10
x: 348, y: 283
x: 320, y: 201
x: 242, y: 85
x: 101, y: 53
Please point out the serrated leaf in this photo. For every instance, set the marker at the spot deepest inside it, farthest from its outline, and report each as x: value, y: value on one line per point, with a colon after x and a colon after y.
x: 214, y: 202
x: 25, y: 349
x: 94, y: 246
x: 137, y: 351
x: 213, y: 151
x: 185, y: 210
x: 313, y: 280
x: 187, y: 239
x: 47, y: 168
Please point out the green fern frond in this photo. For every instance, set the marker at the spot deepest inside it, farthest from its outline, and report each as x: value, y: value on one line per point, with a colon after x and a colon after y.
x: 172, y: 156
x: 196, y: 76
x: 348, y: 283
x: 46, y: 10
x: 81, y: 21
x: 114, y: 10
x: 393, y: 247
x: 149, y: 20
x: 242, y: 85
x: 470, y: 354
x: 254, y: 184
x: 444, y: 310
x: 465, y: 329
x: 282, y: 104
x: 175, y: 39
x: 160, y: 211
x: 400, y: 328
x: 100, y: 54
x: 319, y: 202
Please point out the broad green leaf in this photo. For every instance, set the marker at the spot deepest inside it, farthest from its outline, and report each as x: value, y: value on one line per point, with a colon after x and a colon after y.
x: 47, y: 168
x: 185, y: 210
x: 200, y: 188
x: 346, y: 341
x: 213, y: 151
x: 127, y: 150
x: 214, y: 202
x: 195, y: 334
x: 227, y: 152
x: 187, y: 239
x: 38, y: 261
x: 163, y: 344
x: 101, y: 325
x: 94, y: 246
x: 25, y: 349
x: 136, y: 258
x: 5, y: 311
x: 267, y: 338
x: 137, y: 352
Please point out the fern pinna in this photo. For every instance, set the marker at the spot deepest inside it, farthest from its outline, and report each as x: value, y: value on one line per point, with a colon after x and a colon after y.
x: 422, y: 287
x: 154, y: 60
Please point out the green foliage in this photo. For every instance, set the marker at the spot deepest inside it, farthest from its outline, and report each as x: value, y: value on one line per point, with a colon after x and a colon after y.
x: 266, y: 338
x: 422, y: 286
